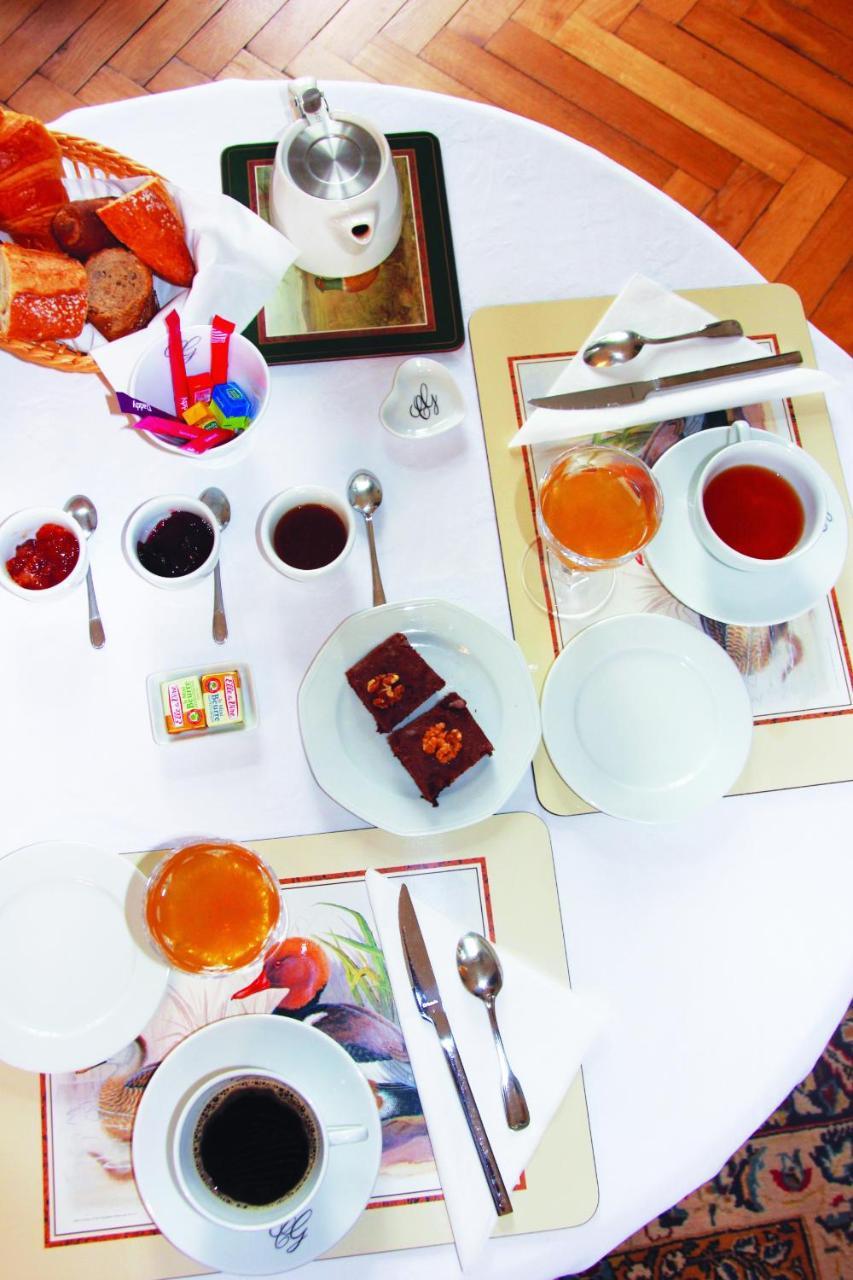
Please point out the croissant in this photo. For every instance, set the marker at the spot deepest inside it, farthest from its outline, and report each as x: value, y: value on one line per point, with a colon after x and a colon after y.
x: 31, y: 187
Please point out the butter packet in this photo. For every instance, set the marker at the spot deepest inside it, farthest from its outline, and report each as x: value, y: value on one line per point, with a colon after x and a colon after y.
x: 183, y: 709
x: 200, y: 702
x: 223, y: 702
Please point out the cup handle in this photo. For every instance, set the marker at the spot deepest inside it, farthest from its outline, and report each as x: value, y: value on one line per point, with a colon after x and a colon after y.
x: 338, y: 1134
x: 740, y: 431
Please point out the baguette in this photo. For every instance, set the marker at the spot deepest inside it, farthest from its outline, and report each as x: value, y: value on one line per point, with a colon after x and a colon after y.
x: 121, y: 293
x: 147, y: 221
x: 42, y: 295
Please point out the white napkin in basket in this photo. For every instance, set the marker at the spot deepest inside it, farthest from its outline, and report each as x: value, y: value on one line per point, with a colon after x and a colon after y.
x: 239, y: 261
x: 546, y: 1029
x: 652, y: 310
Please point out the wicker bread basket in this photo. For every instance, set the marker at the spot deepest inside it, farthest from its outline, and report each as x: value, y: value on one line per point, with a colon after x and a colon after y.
x: 87, y: 160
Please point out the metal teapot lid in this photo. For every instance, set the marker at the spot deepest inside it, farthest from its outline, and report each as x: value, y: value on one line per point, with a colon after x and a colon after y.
x: 329, y: 158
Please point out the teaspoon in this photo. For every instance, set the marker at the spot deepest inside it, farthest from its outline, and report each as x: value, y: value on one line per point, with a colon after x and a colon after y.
x: 365, y: 495
x: 624, y: 344
x: 480, y: 971
x: 218, y: 503
x: 84, y: 511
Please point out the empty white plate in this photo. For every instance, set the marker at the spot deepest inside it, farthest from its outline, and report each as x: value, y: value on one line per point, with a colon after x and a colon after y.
x: 77, y: 978
x: 646, y: 718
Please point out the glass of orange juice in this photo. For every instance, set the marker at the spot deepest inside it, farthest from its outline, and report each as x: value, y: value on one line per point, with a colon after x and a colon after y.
x: 597, y: 507
x: 212, y: 907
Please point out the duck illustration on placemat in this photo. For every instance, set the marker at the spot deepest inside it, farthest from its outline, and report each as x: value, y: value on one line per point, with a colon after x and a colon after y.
x: 338, y: 983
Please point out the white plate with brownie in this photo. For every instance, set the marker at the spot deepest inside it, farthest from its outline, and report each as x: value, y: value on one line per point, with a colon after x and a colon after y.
x: 419, y: 717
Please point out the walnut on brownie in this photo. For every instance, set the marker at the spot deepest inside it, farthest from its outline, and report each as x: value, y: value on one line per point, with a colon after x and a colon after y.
x: 392, y: 681
x: 437, y: 747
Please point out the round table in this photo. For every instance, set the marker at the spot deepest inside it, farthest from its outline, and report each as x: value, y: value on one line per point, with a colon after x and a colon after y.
x: 710, y: 940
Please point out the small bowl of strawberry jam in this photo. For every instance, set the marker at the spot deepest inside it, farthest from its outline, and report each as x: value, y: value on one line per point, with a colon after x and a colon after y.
x: 42, y: 553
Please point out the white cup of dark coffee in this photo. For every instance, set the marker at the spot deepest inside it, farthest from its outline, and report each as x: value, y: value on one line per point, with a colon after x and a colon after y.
x: 250, y: 1151
x: 306, y: 531
x: 758, y: 503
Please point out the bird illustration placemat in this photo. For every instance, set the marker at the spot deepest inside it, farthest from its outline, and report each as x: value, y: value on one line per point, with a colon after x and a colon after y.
x: 798, y: 673
x: 69, y: 1192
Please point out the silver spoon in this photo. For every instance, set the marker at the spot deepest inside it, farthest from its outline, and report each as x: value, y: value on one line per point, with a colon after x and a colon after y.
x: 216, y: 500
x: 84, y: 511
x: 480, y: 971
x: 365, y: 495
x: 624, y: 344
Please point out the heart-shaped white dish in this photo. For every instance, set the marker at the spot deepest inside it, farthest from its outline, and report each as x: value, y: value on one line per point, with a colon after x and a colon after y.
x: 424, y: 400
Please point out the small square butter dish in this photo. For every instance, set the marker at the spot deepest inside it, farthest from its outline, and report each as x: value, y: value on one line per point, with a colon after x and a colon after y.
x: 201, y: 701
x: 424, y: 400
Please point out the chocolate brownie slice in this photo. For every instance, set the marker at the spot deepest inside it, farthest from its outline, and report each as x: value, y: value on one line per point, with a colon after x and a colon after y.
x: 440, y: 745
x: 392, y: 681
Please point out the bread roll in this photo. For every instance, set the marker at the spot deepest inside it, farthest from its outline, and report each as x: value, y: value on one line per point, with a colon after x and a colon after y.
x: 79, y: 231
x: 42, y: 295
x: 121, y: 293
x: 147, y: 221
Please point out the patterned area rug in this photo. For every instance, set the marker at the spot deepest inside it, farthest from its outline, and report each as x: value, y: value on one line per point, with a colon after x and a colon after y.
x: 780, y: 1209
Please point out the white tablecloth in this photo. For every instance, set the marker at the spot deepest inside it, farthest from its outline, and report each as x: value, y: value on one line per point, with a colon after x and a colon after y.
x: 718, y: 943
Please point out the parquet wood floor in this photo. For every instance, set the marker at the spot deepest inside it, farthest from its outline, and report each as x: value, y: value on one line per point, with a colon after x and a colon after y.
x: 740, y: 109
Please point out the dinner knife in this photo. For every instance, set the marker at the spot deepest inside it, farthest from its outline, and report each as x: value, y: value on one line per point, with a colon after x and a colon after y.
x: 620, y: 393
x: 428, y: 1000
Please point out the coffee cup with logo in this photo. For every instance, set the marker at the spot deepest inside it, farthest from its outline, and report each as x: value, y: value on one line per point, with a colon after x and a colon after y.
x: 758, y: 503
x: 250, y: 1151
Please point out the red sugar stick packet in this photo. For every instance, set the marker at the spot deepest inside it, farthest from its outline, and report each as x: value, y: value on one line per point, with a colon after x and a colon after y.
x: 220, y: 337
x: 209, y: 440
x: 171, y: 427
x: 177, y: 366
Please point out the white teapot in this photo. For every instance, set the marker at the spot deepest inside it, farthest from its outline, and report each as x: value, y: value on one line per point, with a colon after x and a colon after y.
x: 334, y: 192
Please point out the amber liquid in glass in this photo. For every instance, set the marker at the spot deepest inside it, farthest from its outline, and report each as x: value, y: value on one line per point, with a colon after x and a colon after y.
x: 212, y: 907
x: 600, y: 513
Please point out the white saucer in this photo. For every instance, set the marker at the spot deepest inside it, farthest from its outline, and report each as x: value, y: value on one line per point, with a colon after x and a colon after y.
x: 424, y: 400
x: 354, y: 764
x: 692, y: 575
x: 78, y: 979
x: 314, y: 1064
x: 646, y: 718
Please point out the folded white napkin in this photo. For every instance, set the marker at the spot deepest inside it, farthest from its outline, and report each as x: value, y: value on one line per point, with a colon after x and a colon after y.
x: 546, y: 1030
x: 239, y: 261
x: 656, y: 312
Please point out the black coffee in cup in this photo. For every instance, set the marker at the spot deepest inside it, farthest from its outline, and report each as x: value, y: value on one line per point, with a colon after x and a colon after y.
x: 255, y: 1142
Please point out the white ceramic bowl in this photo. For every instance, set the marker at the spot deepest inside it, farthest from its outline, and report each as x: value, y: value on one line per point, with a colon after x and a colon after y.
x: 424, y: 400
x: 143, y: 520
x: 298, y: 496
x: 24, y: 524
x: 151, y: 380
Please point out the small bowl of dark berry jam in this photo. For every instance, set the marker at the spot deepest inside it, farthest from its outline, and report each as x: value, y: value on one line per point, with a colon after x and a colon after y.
x: 306, y: 531
x: 42, y: 553
x: 172, y: 541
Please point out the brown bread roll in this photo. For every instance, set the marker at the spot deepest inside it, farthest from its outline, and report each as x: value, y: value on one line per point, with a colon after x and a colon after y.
x: 79, y: 231
x: 121, y: 293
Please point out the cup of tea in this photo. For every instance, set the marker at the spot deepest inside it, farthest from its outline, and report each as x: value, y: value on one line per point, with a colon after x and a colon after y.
x: 250, y: 1151
x: 306, y: 531
x: 213, y: 907
x: 759, y: 503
